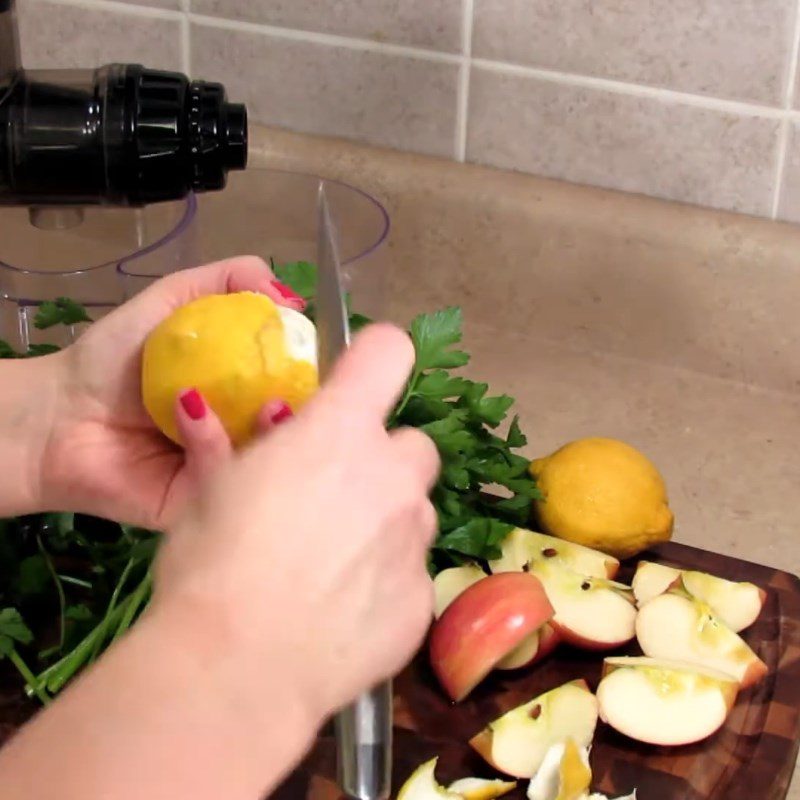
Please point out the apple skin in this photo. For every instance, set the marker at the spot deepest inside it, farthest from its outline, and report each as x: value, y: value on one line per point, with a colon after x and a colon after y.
x: 662, y: 702
x: 676, y: 626
x: 450, y: 583
x: 522, y: 546
x: 482, y: 626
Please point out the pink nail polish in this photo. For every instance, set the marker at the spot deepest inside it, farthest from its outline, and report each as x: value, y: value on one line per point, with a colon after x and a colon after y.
x: 288, y: 293
x: 281, y: 413
x: 193, y: 404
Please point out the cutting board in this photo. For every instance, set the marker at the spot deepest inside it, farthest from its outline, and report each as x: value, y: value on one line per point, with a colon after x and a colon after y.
x: 751, y: 758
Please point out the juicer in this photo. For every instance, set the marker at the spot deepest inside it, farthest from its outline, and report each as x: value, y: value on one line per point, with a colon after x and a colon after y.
x: 115, y: 135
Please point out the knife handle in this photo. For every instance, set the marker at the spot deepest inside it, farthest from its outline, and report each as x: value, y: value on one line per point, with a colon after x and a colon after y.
x: 364, y: 745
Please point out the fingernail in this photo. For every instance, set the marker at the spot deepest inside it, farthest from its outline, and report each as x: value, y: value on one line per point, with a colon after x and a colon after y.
x: 193, y: 404
x: 280, y: 413
x: 288, y: 293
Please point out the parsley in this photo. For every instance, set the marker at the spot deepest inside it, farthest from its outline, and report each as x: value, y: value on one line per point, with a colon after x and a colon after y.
x: 459, y: 415
x: 61, y: 311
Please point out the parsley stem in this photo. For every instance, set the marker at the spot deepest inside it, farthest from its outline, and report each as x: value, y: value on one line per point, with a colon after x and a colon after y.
x: 75, y: 581
x: 407, y: 394
x: 111, y: 605
x: 30, y: 678
x: 136, y: 599
x: 62, y: 601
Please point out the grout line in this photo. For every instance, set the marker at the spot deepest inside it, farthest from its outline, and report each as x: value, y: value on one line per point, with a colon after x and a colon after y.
x: 789, y: 84
x: 186, y: 45
x: 334, y: 39
x: 634, y: 89
x: 124, y: 8
x: 464, y: 74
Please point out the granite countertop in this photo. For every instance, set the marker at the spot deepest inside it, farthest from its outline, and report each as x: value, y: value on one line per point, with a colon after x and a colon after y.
x: 672, y: 327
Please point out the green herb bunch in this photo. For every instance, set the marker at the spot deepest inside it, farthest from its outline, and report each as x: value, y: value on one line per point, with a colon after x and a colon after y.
x: 72, y: 584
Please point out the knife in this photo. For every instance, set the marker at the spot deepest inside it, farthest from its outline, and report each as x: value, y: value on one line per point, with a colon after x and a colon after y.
x: 363, y: 729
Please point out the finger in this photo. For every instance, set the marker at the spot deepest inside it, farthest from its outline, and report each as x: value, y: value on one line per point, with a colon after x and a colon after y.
x: 413, y: 448
x: 240, y: 274
x: 272, y: 414
x: 205, y: 441
x: 370, y: 377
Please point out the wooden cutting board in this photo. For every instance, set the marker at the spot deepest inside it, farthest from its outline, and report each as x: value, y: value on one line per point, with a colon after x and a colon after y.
x: 751, y: 758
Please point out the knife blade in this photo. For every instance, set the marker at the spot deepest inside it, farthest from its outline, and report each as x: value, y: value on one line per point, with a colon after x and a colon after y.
x: 363, y: 729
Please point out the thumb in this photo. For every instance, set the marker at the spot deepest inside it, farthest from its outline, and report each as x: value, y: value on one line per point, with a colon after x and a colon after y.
x: 370, y: 376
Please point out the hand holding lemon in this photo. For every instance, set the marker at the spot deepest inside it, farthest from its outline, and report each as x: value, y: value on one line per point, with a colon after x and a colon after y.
x: 239, y: 351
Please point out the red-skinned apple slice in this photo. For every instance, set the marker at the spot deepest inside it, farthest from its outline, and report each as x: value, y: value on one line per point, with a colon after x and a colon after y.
x: 450, y: 583
x: 737, y: 604
x: 676, y: 626
x: 482, y: 626
x: 533, y: 649
x: 664, y: 702
x: 522, y: 546
x: 517, y: 742
x: 590, y: 613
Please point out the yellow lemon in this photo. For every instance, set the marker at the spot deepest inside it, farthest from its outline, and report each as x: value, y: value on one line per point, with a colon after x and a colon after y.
x: 604, y: 494
x: 239, y: 351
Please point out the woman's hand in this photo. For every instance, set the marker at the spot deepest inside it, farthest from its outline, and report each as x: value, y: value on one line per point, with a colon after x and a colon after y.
x: 102, y: 454
x: 306, y: 553
x: 294, y: 581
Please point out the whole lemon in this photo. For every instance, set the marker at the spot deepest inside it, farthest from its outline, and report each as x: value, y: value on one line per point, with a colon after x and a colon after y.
x: 604, y: 494
x: 239, y: 351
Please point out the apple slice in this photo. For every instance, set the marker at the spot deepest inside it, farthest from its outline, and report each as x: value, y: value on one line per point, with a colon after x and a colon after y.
x: 517, y: 742
x: 682, y: 628
x: 482, y: 626
x: 522, y: 546
x: 450, y: 583
x: 532, y: 649
x: 565, y: 773
x: 664, y: 702
x: 651, y: 580
x: 422, y: 785
x: 736, y: 604
x: 481, y: 788
x: 591, y: 613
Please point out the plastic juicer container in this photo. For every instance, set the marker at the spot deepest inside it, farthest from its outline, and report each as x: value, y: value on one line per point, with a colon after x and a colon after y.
x: 116, y: 252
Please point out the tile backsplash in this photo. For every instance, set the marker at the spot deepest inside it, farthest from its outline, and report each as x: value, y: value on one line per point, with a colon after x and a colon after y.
x: 689, y: 100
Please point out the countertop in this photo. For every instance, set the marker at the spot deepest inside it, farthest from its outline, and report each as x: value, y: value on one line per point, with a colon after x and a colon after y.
x: 672, y: 327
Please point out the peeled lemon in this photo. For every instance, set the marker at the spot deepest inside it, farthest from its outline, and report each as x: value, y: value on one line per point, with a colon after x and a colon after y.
x: 239, y: 351
x: 603, y: 494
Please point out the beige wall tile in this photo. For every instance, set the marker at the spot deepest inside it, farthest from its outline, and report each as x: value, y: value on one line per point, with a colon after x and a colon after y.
x: 176, y: 4
x: 790, y: 197
x: 725, y: 48
x: 56, y: 35
x: 375, y: 97
x: 636, y: 144
x: 413, y: 22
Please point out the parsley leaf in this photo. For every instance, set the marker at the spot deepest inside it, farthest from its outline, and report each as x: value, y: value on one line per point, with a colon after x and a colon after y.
x: 433, y: 335
x: 480, y: 538
x: 61, y: 311
x: 299, y: 276
x: 12, y: 629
